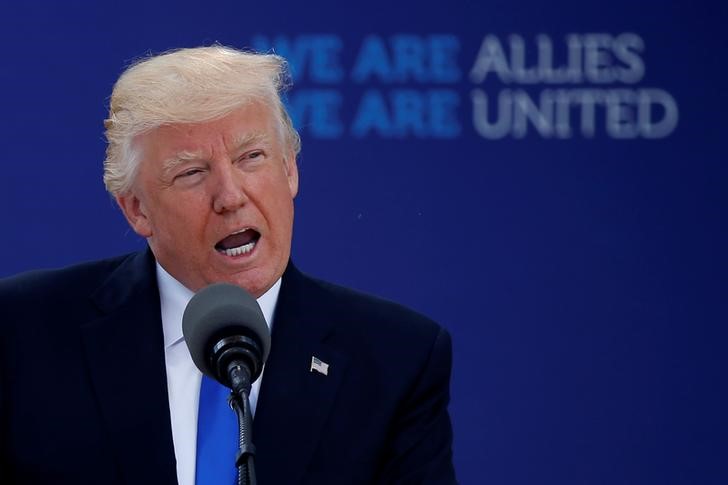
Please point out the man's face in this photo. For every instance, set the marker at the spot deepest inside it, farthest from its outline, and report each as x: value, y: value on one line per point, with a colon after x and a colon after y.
x: 215, y: 199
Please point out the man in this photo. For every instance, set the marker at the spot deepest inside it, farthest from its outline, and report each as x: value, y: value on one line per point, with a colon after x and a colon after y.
x: 96, y: 384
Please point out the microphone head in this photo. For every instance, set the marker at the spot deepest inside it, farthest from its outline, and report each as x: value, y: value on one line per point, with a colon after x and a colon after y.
x: 224, y: 311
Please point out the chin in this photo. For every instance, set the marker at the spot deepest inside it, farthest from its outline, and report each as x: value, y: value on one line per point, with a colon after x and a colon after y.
x: 254, y: 286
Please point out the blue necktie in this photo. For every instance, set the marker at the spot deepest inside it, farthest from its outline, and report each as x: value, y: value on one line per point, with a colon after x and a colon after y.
x: 217, y: 436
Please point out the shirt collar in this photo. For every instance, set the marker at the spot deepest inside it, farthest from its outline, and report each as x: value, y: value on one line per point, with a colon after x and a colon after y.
x: 174, y: 297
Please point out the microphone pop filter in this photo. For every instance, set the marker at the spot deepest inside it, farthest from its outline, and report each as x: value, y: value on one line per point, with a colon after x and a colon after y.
x: 223, y: 310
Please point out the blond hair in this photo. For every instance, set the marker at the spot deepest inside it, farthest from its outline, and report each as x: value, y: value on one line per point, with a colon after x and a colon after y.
x: 188, y: 86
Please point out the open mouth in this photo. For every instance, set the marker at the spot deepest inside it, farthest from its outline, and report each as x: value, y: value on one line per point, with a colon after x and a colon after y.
x: 238, y: 243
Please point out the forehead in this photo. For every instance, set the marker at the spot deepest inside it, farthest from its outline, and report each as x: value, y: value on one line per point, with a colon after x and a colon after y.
x: 252, y: 123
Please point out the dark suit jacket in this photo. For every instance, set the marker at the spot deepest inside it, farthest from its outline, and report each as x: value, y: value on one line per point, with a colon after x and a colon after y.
x: 83, y: 395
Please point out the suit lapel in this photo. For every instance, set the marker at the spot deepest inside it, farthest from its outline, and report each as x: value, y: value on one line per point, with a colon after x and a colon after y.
x: 124, y: 351
x: 295, y: 401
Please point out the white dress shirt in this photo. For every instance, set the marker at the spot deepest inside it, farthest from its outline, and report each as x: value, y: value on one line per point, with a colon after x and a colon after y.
x: 183, y: 378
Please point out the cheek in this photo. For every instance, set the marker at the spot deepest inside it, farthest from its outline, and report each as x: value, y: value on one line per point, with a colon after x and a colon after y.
x: 283, y: 220
x: 179, y: 220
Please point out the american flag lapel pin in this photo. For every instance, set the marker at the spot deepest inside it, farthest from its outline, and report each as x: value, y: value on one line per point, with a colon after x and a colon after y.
x: 319, y: 366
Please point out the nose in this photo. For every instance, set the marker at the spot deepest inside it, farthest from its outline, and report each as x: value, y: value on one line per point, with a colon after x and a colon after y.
x: 229, y: 192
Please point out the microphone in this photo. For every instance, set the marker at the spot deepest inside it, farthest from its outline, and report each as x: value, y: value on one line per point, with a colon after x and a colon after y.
x: 227, y: 335
x: 229, y: 341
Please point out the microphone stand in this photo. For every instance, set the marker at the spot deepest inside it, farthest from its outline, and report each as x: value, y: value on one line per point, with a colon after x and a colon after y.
x: 240, y: 403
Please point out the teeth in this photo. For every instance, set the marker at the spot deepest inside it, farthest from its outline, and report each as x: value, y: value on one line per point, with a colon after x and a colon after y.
x: 245, y: 248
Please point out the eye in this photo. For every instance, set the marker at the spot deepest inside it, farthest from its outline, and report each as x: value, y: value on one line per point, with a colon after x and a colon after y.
x: 188, y: 175
x: 251, y: 160
x: 190, y: 172
x: 254, y: 154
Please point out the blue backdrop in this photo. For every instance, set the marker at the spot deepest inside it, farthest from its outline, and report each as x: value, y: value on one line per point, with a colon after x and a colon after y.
x: 546, y: 179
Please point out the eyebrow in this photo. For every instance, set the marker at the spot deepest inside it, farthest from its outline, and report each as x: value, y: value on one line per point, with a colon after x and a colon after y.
x: 249, y: 139
x: 239, y: 143
x: 178, y: 159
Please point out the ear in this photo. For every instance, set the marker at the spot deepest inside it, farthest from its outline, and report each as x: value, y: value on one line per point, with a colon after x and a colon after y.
x: 291, y: 169
x: 135, y: 213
